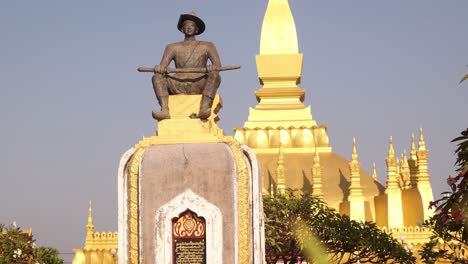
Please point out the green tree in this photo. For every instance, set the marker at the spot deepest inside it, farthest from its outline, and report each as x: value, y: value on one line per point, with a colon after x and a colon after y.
x: 18, y: 247
x: 47, y: 255
x: 343, y: 240
x: 449, y: 223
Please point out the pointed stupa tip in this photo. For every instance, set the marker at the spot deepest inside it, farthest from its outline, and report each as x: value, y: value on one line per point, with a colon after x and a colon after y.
x: 404, y: 160
x: 374, y: 171
x: 280, y: 156
x: 413, y: 148
x: 278, y: 34
x: 193, y: 12
x: 90, y: 212
x: 422, y: 144
x: 90, y: 225
x: 354, y: 154
x: 316, y: 156
x: 391, y: 151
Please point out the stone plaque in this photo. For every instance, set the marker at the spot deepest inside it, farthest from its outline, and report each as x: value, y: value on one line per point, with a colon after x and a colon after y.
x: 188, y: 239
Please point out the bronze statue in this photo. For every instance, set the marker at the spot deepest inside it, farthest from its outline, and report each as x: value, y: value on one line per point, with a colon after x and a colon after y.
x: 192, y: 74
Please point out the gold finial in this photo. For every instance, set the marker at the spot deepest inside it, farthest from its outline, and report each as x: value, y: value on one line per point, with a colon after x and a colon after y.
x: 422, y: 144
x: 279, y: 34
x: 405, y: 172
x: 413, y: 148
x: 90, y: 225
x: 193, y: 12
x: 280, y: 156
x: 316, y: 157
x: 404, y: 159
x: 391, y: 151
x: 374, y: 171
x: 90, y: 213
x: 398, y: 165
x: 354, y: 155
x: 280, y: 174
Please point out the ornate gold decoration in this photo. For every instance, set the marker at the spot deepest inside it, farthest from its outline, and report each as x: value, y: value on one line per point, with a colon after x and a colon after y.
x: 280, y: 172
x: 243, y: 199
x: 188, y: 225
x: 133, y: 205
x: 99, y: 246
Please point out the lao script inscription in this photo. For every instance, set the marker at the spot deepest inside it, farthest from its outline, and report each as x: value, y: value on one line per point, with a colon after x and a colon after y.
x: 189, y: 239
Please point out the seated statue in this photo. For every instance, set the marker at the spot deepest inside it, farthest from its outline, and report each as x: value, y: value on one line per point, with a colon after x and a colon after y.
x: 188, y: 54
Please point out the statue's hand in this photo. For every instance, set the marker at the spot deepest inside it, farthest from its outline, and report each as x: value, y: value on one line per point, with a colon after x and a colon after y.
x: 210, y: 68
x: 160, y: 69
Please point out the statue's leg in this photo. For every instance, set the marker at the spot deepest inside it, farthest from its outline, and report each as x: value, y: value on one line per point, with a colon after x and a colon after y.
x: 161, y: 89
x: 211, y: 86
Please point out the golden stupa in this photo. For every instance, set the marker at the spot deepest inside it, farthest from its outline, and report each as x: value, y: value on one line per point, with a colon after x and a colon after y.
x: 282, y: 123
x: 294, y: 152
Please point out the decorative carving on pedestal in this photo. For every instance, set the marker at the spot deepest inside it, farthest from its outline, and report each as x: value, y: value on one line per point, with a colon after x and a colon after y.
x: 189, y: 234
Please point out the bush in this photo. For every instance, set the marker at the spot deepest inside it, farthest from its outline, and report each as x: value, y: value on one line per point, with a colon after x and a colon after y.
x: 18, y: 247
x: 344, y: 240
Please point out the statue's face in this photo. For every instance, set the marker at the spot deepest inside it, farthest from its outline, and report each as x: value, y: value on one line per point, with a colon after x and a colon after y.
x: 190, y: 28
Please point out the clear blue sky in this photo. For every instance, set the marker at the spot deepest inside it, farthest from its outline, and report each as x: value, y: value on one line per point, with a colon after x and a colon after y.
x: 72, y: 101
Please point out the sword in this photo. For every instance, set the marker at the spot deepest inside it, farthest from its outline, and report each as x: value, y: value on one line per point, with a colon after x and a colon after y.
x: 190, y: 70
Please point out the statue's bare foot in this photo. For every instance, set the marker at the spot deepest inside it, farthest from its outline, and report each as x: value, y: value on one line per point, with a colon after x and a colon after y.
x: 161, y: 115
x: 204, y: 114
x: 205, y: 108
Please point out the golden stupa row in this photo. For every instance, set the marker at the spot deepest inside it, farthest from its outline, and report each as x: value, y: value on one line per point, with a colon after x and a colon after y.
x: 294, y: 152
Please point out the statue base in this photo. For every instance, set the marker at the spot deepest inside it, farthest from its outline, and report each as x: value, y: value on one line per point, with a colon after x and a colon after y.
x: 189, y: 194
x: 182, y: 128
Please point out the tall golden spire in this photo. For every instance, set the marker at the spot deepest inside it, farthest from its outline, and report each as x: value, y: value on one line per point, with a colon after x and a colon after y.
x: 405, y: 171
x: 354, y: 155
x: 278, y: 30
x: 356, y: 198
x: 280, y: 113
x: 413, y: 148
x: 422, y: 144
x: 392, y: 182
x: 393, y: 191
x: 422, y: 155
x: 391, y: 151
x: 279, y: 64
x: 374, y: 172
x: 413, y: 163
x: 316, y: 172
x: 280, y: 173
x: 355, y: 188
x: 422, y: 178
x: 90, y: 225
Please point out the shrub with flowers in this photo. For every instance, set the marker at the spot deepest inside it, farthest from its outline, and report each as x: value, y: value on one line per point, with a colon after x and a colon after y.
x: 18, y: 247
x: 449, y: 222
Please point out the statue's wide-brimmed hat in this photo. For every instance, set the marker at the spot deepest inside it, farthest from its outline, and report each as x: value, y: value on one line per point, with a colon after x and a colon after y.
x: 192, y: 17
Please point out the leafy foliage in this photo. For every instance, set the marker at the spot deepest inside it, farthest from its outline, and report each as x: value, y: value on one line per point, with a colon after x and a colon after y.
x: 291, y: 219
x: 17, y: 247
x: 449, y: 223
x: 47, y: 255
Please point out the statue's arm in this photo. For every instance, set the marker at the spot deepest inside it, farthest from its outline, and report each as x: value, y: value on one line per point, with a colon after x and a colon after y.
x: 213, y: 55
x: 168, y: 56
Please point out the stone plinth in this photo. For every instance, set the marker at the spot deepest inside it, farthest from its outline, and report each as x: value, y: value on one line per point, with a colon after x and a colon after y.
x: 189, y: 170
